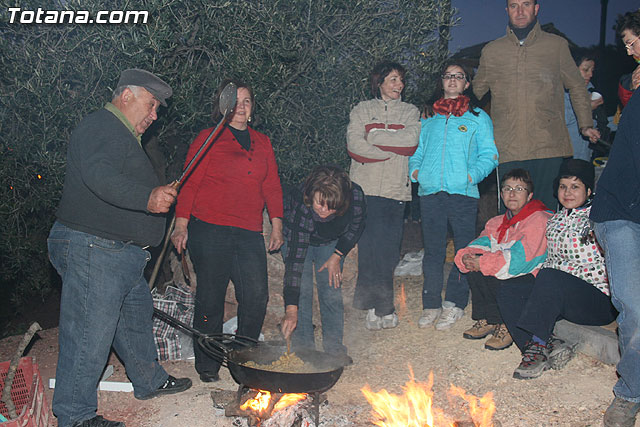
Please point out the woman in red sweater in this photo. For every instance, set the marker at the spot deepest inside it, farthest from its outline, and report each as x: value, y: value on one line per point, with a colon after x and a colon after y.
x: 219, y: 218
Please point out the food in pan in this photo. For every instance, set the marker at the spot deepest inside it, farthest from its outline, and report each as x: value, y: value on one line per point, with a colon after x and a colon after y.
x: 288, y: 362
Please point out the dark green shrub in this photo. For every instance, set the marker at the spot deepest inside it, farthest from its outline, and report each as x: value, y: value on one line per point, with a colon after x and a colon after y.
x: 308, y: 62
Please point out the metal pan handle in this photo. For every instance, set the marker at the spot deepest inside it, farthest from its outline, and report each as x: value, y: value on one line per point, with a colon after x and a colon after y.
x: 214, y: 348
x: 238, y: 340
x: 172, y: 320
x: 220, y: 345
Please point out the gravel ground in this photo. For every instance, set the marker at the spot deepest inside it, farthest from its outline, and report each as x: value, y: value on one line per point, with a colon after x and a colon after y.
x: 575, y: 396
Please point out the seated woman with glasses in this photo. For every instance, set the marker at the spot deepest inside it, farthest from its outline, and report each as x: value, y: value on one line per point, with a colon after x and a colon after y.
x: 505, y: 258
x: 455, y: 152
x: 572, y: 283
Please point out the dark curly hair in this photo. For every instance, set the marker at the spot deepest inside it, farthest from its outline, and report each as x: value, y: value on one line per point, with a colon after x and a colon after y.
x: 630, y: 21
x: 380, y: 71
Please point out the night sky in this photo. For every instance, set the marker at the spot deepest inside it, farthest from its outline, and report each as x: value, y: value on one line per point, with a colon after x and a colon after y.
x: 485, y: 20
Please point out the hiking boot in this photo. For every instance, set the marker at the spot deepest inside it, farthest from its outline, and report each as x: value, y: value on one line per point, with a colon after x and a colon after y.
x: 501, y: 338
x: 171, y: 385
x: 450, y: 315
x: 429, y: 315
x: 98, y: 421
x: 390, y: 321
x: 560, y: 352
x: 479, y: 330
x: 534, y: 361
x: 621, y: 413
x: 373, y: 322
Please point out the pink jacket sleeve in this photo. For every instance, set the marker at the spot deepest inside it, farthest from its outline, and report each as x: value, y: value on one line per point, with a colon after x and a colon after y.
x: 522, y: 251
x: 475, y: 247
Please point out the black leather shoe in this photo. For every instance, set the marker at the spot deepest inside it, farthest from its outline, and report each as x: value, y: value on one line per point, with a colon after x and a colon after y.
x: 171, y: 385
x: 209, y: 377
x: 98, y: 421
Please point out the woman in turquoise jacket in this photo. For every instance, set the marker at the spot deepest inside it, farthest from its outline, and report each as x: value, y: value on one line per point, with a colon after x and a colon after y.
x: 456, y: 152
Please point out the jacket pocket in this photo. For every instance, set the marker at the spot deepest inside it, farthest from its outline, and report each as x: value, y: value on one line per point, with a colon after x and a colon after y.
x: 106, y: 244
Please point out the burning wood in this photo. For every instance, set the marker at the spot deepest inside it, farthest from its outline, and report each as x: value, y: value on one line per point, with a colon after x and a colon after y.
x: 415, y: 407
x: 261, y: 404
x: 262, y: 408
x: 288, y: 400
x: 294, y: 411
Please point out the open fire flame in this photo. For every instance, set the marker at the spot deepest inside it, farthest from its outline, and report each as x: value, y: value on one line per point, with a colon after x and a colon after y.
x: 415, y: 407
x: 288, y: 400
x: 260, y: 403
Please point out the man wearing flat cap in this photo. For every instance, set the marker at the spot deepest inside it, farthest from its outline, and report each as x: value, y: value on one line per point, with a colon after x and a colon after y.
x: 112, y: 210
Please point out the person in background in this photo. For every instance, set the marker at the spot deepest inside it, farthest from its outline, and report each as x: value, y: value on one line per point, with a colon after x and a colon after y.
x: 112, y: 210
x: 456, y: 151
x: 629, y: 30
x: 572, y: 283
x: 527, y: 112
x: 505, y: 258
x: 219, y: 218
x: 323, y: 220
x: 582, y: 149
x: 616, y: 213
x: 382, y: 134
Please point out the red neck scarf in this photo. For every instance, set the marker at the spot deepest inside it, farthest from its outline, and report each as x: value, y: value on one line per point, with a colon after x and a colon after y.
x: 532, y: 207
x: 456, y: 106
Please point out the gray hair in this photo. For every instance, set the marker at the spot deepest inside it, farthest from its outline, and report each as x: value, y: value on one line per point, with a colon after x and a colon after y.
x: 120, y: 89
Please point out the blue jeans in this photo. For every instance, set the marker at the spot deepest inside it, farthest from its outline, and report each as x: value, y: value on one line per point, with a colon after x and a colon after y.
x: 378, y: 255
x: 329, y: 299
x: 621, y: 243
x: 460, y: 212
x: 105, y: 302
x: 219, y: 254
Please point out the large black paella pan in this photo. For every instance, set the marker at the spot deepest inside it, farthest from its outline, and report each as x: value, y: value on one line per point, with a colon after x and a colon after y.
x: 322, y: 370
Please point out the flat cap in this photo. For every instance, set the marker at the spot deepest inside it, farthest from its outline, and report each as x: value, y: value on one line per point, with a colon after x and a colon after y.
x: 154, y: 84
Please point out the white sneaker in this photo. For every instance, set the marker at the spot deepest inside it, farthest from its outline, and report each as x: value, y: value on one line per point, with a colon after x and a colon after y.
x: 429, y: 315
x: 373, y: 322
x: 390, y: 321
x: 450, y: 315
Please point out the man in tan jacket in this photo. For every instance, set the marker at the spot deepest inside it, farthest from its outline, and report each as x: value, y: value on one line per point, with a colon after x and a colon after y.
x: 527, y: 72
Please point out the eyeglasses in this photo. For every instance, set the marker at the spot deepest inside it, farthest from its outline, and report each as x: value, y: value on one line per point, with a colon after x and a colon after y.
x: 457, y: 76
x: 629, y: 45
x: 509, y: 189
